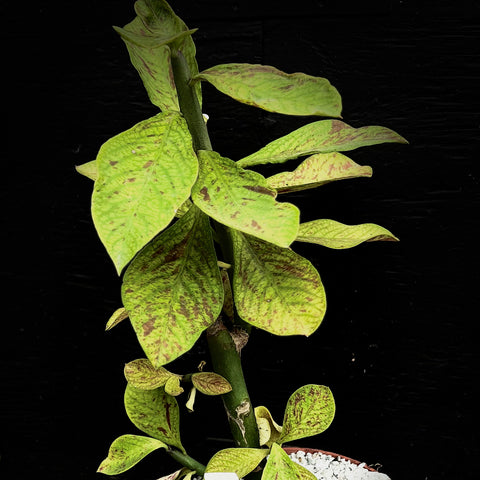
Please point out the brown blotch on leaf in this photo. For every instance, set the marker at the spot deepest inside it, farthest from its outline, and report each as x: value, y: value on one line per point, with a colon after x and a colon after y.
x: 204, y: 192
x: 260, y: 189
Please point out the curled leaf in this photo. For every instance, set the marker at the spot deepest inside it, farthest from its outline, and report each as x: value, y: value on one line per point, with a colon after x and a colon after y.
x: 269, y: 430
x: 172, y: 386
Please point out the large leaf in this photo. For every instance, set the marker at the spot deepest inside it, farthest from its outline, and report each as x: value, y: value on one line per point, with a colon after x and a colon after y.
x: 241, y: 199
x: 173, y: 290
x: 144, y: 176
x: 126, y: 451
x: 281, y: 467
x: 276, y: 91
x: 236, y: 460
x: 310, y: 411
x: 320, y: 137
x: 317, y: 170
x: 155, y: 413
x: 332, y: 234
x: 149, y: 39
x: 276, y: 289
x: 142, y: 374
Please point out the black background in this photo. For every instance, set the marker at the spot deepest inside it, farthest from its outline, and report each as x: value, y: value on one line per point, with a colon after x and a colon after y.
x: 398, y: 345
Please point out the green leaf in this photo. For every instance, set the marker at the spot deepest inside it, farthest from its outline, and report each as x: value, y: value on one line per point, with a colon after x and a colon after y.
x: 310, y: 411
x: 155, y: 413
x: 149, y: 39
x: 323, y: 136
x: 126, y: 451
x: 276, y: 289
x: 275, y: 91
x: 268, y: 429
x: 173, y: 290
x: 317, y: 170
x: 144, y: 175
x: 332, y: 234
x: 241, y: 461
x: 210, y: 383
x: 142, y: 374
x: 118, y: 315
x: 172, y: 386
x: 281, y: 467
x: 241, y: 199
x: 88, y: 169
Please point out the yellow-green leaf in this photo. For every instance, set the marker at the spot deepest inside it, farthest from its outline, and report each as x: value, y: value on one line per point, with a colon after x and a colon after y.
x: 241, y: 461
x: 269, y: 430
x: 241, y: 199
x: 172, y: 386
x: 126, y: 451
x: 210, y: 383
x: 317, y: 170
x: 310, y: 411
x: 323, y: 136
x: 118, y: 315
x: 276, y: 289
x: 148, y: 39
x: 271, y: 89
x: 155, y: 413
x: 144, y: 175
x: 173, y: 290
x: 281, y: 467
x: 332, y: 234
x: 142, y: 374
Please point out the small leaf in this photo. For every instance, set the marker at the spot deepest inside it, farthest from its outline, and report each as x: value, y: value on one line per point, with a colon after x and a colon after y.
x: 323, y: 136
x: 332, y: 234
x: 310, y: 411
x: 155, y: 413
x: 88, y: 169
x: 178, y: 474
x: 275, y: 91
x: 241, y: 199
x: 281, y: 467
x: 275, y: 288
x: 172, y: 386
x: 210, y: 383
x: 173, y: 290
x: 118, y: 315
x: 191, y: 399
x: 318, y: 170
x: 241, y: 461
x: 126, y: 451
x: 269, y: 430
x: 142, y: 374
x: 144, y: 175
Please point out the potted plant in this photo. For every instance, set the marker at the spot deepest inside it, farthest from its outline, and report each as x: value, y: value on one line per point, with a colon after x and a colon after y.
x: 203, y: 245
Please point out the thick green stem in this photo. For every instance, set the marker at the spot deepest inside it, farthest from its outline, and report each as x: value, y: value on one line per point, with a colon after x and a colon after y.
x: 223, y: 350
x: 186, y: 461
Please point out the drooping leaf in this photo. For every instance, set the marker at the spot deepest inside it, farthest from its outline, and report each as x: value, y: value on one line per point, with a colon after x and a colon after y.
x: 323, y: 136
x: 142, y: 374
x: 172, y: 386
x: 149, y: 39
x: 275, y: 91
x: 155, y: 413
x: 281, y: 467
x: 317, y: 170
x: 241, y: 461
x: 191, y: 399
x: 276, y: 289
x: 88, y: 169
x: 269, y: 430
x: 173, y: 290
x: 144, y: 175
x: 210, y: 383
x: 118, y: 315
x: 241, y: 199
x: 126, y: 451
x: 310, y: 411
x: 332, y: 234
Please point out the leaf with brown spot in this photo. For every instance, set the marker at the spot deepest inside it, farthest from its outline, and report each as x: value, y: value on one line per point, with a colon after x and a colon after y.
x: 323, y: 136
x: 271, y: 89
x: 242, y: 200
x: 155, y: 413
x: 210, y: 383
x: 142, y: 374
x: 173, y: 290
x: 274, y: 288
x: 318, y: 170
x: 126, y: 451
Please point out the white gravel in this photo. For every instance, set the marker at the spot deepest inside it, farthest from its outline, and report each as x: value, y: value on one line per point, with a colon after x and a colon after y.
x: 327, y: 467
